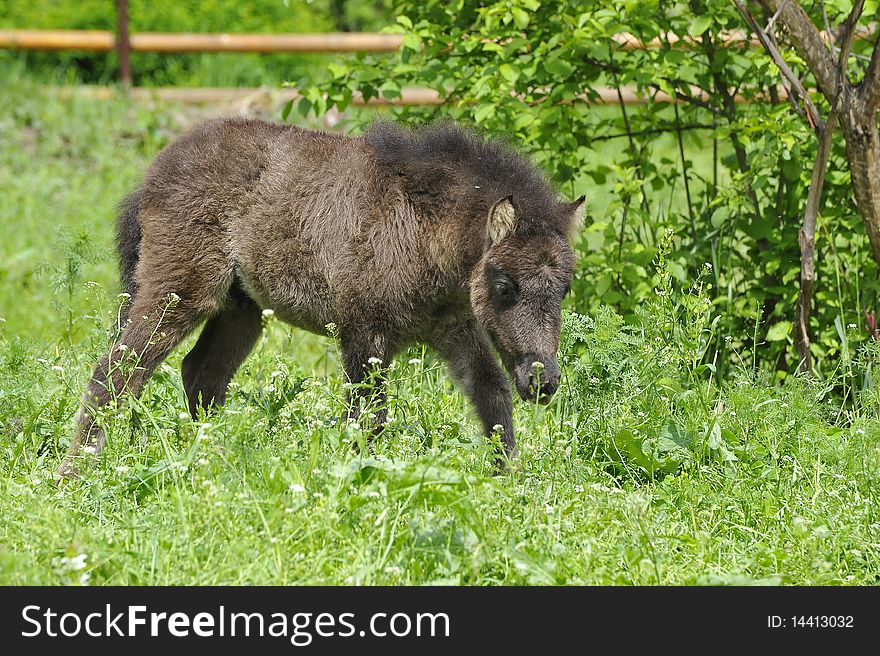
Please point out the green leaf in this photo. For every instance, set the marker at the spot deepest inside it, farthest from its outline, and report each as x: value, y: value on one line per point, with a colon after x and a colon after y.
x: 700, y: 24
x: 558, y: 67
x: 337, y: 70
x: 509, y: 72
x: 520, y: 17
x: 411, y: 42
x: 285, y: 111
x: 603, y: 285
x: 715, y: 436
x: 672, y: 436
x: 484, y: 112
x: 779, y: 331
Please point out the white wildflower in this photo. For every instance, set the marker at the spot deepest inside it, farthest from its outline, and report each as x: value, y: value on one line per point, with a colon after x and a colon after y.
x: 296, y: 488
x: 74, y: 563
x: 268, y: 312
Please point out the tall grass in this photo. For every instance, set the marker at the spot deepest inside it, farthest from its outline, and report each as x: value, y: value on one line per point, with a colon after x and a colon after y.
x: 644, y: 470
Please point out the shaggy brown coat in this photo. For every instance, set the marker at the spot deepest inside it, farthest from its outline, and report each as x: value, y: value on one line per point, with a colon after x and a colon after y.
x: 435, y: 236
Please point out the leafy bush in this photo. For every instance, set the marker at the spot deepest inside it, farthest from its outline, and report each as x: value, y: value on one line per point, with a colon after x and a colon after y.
x: 645, y: 398
x: 728, y: 178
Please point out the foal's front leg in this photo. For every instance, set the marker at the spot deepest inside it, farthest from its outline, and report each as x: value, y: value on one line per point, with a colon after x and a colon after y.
x: 364, y: 356
x: 472, y: 362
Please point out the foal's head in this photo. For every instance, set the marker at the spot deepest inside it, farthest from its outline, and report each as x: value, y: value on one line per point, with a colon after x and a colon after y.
x: 517, y: 290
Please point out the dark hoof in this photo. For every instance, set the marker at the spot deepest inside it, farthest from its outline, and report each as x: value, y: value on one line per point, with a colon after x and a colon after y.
x: 68, y: 471
x: 507, y: 464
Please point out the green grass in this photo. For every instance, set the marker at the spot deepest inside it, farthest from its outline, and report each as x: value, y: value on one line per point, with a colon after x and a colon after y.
x: 644, y: 470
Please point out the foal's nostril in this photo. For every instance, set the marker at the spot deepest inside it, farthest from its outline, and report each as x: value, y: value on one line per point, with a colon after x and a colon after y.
x: 537, y: 378
x: 532, y: 385
x: 548, y: 389
x: 543, y: 384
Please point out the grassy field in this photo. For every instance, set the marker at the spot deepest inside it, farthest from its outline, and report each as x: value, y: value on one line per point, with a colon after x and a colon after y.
x: 644, y: 470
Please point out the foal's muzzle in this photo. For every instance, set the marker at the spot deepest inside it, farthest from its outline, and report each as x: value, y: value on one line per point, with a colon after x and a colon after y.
x: 536, y: 377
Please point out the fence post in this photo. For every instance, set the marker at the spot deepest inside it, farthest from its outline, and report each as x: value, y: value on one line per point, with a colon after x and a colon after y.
x: 123, y: 46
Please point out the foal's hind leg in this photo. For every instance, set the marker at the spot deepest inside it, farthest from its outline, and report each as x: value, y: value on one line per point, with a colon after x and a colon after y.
x: 225, y: 342
x: 157, y: 325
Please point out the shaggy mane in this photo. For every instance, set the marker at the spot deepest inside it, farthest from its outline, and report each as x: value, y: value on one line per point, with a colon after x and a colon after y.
x: 448, y: 163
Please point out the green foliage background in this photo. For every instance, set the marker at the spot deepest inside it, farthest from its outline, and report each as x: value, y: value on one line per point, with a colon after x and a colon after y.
x: 728, y: 178
x: 679, y: 450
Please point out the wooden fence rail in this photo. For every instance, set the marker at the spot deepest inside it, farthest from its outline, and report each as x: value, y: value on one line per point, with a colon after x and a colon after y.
x: 104, y: 41
x: 411, y: 96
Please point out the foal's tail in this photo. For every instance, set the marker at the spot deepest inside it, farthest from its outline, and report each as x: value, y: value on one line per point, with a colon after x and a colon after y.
x: 128, y: 241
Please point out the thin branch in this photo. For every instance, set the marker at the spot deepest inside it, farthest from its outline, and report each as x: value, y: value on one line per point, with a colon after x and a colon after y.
x: 869, y: 89
x: 691, y: 100
x: 632, y: 147
x: 807, y: 242
x: 792, y: 99
x: 796, y: 85
x: 807, y: 40
x: 714, y: 157
x: 728, y: 108
x: 684, y: 174
x: 666, y: 129
x: 770, y: 23
x: 831, y: 37
x: 849, y: 36
x: 627, y: 199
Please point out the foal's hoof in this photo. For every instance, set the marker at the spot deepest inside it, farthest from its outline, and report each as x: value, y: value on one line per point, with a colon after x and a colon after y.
x: 507, y: 464
x: 68, y: 471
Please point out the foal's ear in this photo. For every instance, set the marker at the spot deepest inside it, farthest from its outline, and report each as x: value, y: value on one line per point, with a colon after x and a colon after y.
x: 502, y: 220
x: 574, y: 214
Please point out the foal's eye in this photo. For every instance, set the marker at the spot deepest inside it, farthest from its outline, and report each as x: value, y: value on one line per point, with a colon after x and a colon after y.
x: 503, y: 290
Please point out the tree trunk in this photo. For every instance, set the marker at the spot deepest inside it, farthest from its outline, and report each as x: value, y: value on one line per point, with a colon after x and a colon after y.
x: 863, y: 154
